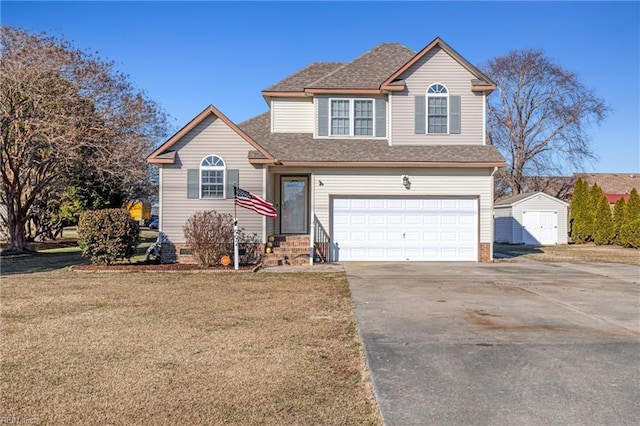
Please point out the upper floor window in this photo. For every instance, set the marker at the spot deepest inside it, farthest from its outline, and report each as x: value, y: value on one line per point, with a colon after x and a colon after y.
x: 437, y: 108
x: 212, y: 175
x: 351, y: 117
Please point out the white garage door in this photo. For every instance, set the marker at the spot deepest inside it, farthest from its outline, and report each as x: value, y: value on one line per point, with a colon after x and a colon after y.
x: 405, y: 229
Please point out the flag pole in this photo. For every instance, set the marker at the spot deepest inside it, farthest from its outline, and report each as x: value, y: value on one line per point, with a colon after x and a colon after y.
x: 236, y: 261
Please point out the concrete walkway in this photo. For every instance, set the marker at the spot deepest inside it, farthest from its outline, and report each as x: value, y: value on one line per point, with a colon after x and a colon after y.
x: 510, y: 343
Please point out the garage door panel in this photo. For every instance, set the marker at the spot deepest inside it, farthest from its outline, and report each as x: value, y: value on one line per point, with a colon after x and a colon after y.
x: 405, y: 229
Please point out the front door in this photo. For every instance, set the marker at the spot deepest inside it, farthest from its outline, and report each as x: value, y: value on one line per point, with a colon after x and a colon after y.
x: 294, y: 205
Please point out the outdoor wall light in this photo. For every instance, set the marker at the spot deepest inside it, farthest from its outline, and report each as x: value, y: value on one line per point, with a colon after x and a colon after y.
x: 405, y: 181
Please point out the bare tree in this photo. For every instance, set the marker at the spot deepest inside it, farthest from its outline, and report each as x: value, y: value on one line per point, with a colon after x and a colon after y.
x: 539, y: 119
x: 62, y: 112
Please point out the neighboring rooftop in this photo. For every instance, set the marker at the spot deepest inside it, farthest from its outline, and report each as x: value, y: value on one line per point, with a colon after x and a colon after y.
x: 612, y: 183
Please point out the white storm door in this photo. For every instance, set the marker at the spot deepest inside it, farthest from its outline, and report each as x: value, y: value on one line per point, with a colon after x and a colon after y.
x: 294, y: 206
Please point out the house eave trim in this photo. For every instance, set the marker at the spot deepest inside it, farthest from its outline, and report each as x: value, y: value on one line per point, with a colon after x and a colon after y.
x: 344, y: 91
x: 274, y: 94
x: 412, y: 164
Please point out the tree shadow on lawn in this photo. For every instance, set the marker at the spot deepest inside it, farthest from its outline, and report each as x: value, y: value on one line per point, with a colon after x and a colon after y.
x: 515, y: 250
x: 30, y: 262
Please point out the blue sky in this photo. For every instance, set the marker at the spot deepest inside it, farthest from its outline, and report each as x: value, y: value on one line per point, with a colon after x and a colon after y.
x: 187, y: 55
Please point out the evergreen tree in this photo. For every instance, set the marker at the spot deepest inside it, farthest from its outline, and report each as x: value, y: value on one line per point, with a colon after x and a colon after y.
x: 619, y: 215
x: 603, y: 227
x: 630, y: 230
x: 579, y: 203
x: 595, y: 195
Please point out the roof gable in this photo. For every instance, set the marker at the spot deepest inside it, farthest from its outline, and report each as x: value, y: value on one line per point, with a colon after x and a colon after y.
x: 520, y: 198
x: 162, y: 155
x: 380, y: 68
x: 482, y: 82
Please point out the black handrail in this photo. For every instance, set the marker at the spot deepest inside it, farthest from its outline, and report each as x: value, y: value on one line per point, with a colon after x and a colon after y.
x: 321, y: 240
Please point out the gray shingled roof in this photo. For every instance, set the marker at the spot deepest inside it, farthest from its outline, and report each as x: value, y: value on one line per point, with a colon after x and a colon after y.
x: 368, y: 71
x: 298, y: 81
x: 514, y: 199
x: 301, y: 147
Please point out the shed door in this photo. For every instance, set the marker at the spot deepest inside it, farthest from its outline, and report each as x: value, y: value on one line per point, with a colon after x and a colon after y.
x: 540, y: 227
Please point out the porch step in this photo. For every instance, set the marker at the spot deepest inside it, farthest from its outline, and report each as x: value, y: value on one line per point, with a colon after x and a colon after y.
x: 288, y: 250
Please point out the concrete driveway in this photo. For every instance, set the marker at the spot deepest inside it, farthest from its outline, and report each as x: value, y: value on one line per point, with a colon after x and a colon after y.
x: 509, y: 343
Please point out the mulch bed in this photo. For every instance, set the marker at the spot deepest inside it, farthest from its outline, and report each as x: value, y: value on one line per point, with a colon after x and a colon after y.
x: 158, y: 267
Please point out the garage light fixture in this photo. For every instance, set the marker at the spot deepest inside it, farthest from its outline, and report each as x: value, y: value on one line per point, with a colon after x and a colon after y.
x: 406, y: 182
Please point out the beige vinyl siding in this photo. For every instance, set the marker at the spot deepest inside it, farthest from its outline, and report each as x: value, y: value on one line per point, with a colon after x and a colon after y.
x: 211, y: 136
x: 292, y: 115
x: 437, y: 67
x: 388, y: 182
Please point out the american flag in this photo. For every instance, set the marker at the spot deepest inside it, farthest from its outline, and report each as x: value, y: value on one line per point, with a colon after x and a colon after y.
x: 253, y: 202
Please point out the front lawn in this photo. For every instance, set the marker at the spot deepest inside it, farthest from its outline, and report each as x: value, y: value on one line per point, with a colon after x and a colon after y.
x: 572, y: 253
x: 182, y: 348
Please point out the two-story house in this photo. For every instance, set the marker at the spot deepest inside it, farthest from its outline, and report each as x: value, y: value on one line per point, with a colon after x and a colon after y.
x: 385, y: 157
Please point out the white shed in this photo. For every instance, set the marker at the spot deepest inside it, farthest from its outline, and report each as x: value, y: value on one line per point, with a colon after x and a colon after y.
x: 533, y: 218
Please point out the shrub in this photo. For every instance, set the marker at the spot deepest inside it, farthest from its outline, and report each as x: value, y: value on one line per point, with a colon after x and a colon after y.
x: 107, y: 235
x: 251, y: 250
x: 209, y: 236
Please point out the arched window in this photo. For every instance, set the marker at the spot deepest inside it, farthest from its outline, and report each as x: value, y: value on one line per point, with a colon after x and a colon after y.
x: 212, y: 176
x: 437, y: 109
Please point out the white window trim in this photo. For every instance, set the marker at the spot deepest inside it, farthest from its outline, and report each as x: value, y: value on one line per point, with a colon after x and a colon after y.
x: 426, y: 112
x: 352, y: 118
x: 222, y: 168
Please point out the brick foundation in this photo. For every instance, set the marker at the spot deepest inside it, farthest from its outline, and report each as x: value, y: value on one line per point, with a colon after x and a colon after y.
x: 485, y: 252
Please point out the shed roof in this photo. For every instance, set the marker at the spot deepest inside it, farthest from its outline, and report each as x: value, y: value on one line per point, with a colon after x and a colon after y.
x: 520, y: 198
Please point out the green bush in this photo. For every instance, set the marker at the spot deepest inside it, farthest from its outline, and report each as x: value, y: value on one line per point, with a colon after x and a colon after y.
x: 107, y: 235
